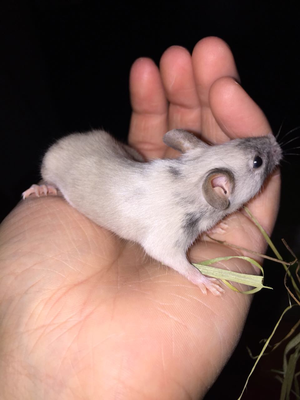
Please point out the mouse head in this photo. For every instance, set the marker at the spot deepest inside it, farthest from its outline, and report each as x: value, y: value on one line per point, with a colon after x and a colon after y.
x: 233, y: 172
x: 218, y: 183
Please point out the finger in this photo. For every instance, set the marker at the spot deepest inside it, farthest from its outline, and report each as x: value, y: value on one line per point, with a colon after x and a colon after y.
x: 178, y: 79
x: 239, y: 116
x: 212, y: 59
x: 234, y: 110
x: 149, y: 109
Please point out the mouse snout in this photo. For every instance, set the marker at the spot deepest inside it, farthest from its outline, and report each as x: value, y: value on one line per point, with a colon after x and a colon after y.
x: 276, y: 153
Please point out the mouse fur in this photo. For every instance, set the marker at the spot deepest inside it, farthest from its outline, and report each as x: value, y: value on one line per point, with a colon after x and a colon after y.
x: 162, y: 204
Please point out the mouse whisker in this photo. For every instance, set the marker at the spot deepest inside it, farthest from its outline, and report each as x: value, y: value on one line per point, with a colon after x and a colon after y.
x: 285, y: 161
x: 289, y: 151
x: 280, y: 128
x: 290, y: 141
x: 288, y: 133
x: 292, y: 154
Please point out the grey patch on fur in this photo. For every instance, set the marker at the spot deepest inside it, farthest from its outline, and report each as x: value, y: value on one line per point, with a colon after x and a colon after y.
x: 259, y: 146
x: 175, y: 172
x: 190, y: 225
x: 259, y: 143
x: 268, y: 167
x: 255, y: 145
x: 184, y: 200
x: 133, y: 154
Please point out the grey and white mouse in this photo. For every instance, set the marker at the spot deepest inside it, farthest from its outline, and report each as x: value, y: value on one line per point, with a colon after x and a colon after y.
x: 162, y: 204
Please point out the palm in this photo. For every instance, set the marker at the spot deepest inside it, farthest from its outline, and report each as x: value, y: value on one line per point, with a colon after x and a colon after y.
x: 86, y: 313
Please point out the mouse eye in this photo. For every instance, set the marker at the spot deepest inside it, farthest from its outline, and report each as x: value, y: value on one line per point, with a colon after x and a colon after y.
x: 257, y: 162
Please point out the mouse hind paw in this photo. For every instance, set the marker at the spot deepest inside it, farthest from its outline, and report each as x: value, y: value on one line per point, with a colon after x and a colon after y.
x: 207, y: 284
x: 40, y: 190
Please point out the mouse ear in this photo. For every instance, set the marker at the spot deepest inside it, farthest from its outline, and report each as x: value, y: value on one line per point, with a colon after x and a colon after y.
x: 217, y: 188
x: 181, y: 140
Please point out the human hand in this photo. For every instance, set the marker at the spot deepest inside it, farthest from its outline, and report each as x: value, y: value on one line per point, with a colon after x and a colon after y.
x: 85, y: 314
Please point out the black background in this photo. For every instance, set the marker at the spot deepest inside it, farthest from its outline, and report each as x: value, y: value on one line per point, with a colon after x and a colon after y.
x: 64, y: 67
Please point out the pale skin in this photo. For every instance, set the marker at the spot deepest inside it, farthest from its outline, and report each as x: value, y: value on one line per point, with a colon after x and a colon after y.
x: 86, y: 315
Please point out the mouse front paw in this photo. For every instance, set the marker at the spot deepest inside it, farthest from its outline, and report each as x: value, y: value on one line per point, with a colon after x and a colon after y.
x: 219, y: 229
x: 40, y: 190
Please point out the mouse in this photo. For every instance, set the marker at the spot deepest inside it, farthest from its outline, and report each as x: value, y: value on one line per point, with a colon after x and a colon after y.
x: 162, y: 204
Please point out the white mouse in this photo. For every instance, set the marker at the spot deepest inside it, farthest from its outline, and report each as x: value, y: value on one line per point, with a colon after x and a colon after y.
x: 162, y: 204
